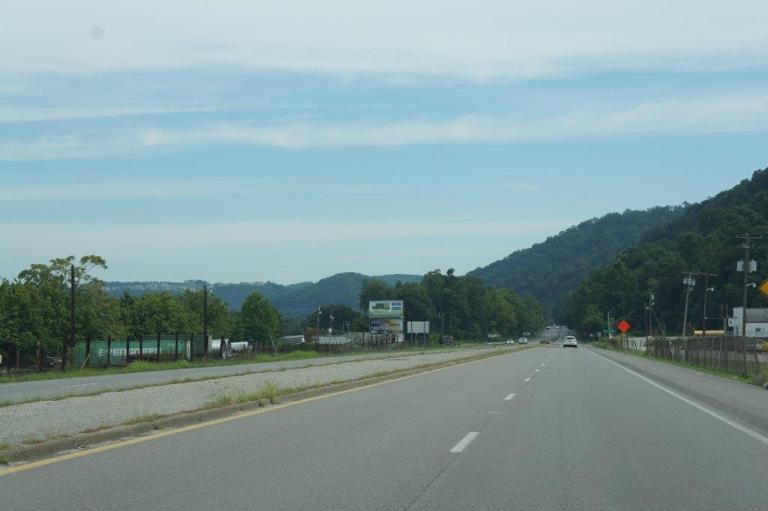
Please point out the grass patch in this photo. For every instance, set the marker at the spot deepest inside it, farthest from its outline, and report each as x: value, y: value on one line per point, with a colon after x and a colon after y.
x: 32, y: 441
x: 4, y: 446
x: 268, y: 393
x: 4, y: 460
x: 142, y: 419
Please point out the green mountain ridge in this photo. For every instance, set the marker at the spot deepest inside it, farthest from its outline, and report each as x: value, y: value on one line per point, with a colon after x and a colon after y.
x: 549, y: 270
x: 293, y: 300
x: 704, y: 238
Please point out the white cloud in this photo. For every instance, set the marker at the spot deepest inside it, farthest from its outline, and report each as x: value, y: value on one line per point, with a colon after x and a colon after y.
x: 712, y: 114
x: 23, y: 115
x: 478, y: 40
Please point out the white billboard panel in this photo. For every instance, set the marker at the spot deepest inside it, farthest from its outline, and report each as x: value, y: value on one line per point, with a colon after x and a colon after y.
x: 418, y: 327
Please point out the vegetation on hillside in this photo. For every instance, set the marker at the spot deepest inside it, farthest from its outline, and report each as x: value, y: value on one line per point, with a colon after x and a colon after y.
x: 703, y: 238
x: 293, y: 301
x: 465, y: 306
x: 549, y: 270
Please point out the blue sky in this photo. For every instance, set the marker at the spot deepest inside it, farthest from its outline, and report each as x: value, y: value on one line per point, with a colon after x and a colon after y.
x: 290, y: 141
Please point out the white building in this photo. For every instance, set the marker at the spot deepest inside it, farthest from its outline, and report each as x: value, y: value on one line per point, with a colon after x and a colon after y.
x: 757, y: 322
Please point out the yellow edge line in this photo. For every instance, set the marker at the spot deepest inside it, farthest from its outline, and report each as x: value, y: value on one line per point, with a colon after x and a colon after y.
x: 162, y: 434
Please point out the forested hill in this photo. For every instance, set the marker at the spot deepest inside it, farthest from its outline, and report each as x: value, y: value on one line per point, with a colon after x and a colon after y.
x: 704, y: 239
x: 549, y: 270
x: 292, y: 300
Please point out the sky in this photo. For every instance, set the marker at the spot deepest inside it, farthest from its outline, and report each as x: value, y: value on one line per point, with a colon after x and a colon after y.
x: 290, y: 140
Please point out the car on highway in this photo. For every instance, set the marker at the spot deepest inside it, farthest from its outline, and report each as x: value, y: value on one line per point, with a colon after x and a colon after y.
x: 510, y: 341
x: 570, y: 342
x: 522, y: 340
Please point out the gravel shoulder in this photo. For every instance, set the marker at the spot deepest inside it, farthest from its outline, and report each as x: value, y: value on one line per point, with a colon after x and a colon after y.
x: 41, y: 420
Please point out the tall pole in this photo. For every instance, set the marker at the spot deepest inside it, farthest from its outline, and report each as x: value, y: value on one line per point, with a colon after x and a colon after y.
x: 706, y: 290
x: 689, y: 282
x: 205, y: 321
x: 72, y: 321
x: 746, y: 267
x: 319, y: 311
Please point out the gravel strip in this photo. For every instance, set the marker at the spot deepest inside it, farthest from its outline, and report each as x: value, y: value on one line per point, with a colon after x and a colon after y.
x: 46, y: 419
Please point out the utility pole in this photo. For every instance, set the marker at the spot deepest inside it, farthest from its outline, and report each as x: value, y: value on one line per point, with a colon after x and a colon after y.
x: 72, y: 320
x: 747, y: 266
x: 205, y: 321
x: 707, y: 289
x: 319, y: 311
x: 689, y: 282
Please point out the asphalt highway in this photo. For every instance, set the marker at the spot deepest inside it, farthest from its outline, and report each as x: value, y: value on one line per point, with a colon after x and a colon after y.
x: 548, y: 428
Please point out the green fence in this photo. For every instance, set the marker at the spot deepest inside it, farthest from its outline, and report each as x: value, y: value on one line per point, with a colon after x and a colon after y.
x: 104, y: 353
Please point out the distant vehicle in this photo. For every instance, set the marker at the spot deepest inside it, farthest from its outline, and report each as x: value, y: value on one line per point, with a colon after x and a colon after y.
x: 447, y: 339
x: 510, y: 341
x: 570, y: 342
x: 522, y: 340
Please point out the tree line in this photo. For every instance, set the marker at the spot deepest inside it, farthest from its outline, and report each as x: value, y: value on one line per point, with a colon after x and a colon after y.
x: 35, y: 307
x: 463, y: 306
x: 705, y: 238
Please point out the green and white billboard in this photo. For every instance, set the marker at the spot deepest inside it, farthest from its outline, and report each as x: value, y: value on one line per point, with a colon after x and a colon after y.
x: 385, y: 309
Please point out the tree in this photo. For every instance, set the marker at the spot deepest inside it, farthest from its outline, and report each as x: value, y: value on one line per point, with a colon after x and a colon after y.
x: 258, y: 320
x: 374, y: 290
x: 220, y: 321
x: 159, y: 313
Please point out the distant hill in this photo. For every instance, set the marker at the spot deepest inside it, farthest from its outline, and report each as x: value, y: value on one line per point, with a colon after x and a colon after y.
x: 703, y: 238
x: 292, y: 300
x: 549, y: 270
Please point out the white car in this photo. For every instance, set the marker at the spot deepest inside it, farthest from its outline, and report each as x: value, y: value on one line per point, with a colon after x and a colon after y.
x: 510, y: 341
x: 570, y: 342
x: 522, y: 340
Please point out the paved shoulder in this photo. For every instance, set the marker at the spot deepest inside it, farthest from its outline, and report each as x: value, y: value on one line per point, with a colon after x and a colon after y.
x: 746, y: 403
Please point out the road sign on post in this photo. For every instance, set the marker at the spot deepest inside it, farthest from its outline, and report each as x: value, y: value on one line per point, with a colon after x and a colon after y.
x: 623, y: 326
x: 764, y: 287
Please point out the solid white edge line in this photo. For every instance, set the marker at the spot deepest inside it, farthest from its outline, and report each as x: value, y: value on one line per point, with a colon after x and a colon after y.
x: 464, y: 442
x: 747, y: 431
x: 510, y: 397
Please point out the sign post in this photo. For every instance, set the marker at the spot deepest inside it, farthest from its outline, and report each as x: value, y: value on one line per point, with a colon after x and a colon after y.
x: 624, y: 327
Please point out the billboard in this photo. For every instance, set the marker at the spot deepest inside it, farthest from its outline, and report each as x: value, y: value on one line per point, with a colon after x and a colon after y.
x: 386, y: 326
x: 418, y: 327
x: 385, y: 309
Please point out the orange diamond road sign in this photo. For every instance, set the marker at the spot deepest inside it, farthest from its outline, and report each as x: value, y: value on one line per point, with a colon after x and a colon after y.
x: 623, y: 326
x: 764, y: 287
